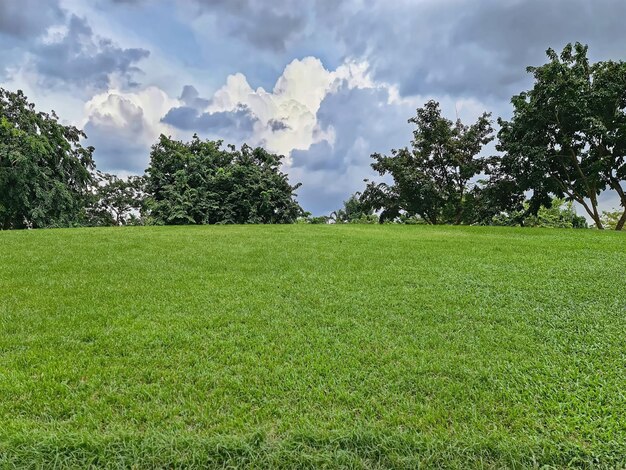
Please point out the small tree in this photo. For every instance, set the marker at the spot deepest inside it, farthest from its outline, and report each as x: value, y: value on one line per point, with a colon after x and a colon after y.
x: 45, y: 174
x: 117, y: 201
x: 432, y: 179
x: 567, y: 136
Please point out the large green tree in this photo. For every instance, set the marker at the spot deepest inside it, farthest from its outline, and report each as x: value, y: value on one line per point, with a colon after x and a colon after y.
x: 567, y: 136
x: 45, y: 174
x: 199, y: 182
x: 433, y: 178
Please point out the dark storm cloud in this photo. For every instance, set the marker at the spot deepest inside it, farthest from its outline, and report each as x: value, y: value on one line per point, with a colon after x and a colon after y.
x: 458, y: 48
x: 81, y: 58
x: 21, y: 24
x: 116, y: 151
x: 454, y: 47
x: 478, y: 48
x: 319, y: 156
x: 263, y: 24
x: 26, y: 19
x: 237, y: 124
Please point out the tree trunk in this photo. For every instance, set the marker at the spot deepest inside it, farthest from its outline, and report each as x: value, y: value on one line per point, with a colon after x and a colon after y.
x: 621, y: 221
x: 598, y: 222
x: 596, y: 214
x: 459, y: 210
x: 457, y: 220
x: 592, y: 213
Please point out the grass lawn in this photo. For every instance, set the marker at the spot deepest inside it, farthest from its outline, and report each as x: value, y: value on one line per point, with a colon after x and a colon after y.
x: 313, y: 346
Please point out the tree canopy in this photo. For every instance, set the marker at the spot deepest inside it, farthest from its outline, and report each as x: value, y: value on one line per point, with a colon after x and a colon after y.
x: 199, y: 182
x: 567, y: 136
x: 45, y: 173
x: 432, y: 178
x: 565, y: 143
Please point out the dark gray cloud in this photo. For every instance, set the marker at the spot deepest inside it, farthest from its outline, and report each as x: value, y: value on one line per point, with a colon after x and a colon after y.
x: 478, y: 48
x: 453, y: 47
x: 267, y: 25
x: 277, y: 125
x: 82, y: 58
x: 457, y: 48
x: 364, y: 122
x: 191, y: 97
x: 237, y: 124
x: 21, y: 24
x: 79, y: 57
x: 26, y: 19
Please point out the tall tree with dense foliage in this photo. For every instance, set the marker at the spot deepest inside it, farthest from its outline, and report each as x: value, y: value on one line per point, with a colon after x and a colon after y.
x: 200, y: 182
x: 567, y: 136
x: 432, y: 179
x: 45, y: 174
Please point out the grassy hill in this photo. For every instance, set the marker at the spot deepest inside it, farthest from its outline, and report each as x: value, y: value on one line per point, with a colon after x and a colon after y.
x: 270, y: 346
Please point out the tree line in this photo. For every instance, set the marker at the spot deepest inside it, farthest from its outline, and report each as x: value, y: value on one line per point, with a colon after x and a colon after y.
x: 565, y: 143
x: 48, y: 179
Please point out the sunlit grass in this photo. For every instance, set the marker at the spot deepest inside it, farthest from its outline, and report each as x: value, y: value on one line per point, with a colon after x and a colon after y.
x: 291, y: 346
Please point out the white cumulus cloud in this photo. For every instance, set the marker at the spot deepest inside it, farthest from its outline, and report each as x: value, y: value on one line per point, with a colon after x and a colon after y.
x: 287, y: 115
x: 123, y: 125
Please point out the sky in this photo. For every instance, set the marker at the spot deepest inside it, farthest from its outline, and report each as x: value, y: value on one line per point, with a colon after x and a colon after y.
x: 325, y: 83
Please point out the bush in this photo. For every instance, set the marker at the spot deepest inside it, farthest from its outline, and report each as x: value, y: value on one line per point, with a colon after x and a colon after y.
x: 560, y: 214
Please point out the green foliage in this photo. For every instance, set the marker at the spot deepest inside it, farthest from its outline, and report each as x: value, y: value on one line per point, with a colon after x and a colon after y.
x: 45, y: 174
x: 432, y: 179
x: 117, y: 201
x: 611, y: 219
x: 354, y: 211
x: 307, y: 218
x: 560, y: 214
x: 200, y: 183
x: 567, y: 137
x: 366, y: 219
x: 326, y: 346
x: 410, y: 220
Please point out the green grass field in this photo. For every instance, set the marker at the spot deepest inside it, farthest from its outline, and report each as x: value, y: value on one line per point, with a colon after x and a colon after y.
x: 312, y: 346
